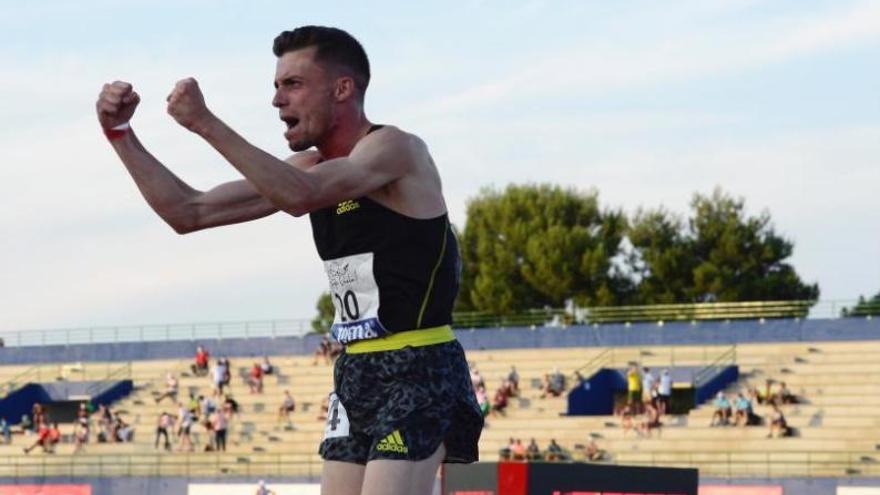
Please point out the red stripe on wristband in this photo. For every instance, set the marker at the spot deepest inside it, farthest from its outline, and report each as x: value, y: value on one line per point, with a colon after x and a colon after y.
x: 117, y: 132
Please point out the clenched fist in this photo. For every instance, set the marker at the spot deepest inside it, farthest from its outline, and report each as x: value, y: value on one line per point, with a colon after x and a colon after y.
x: 187, y: 105
x: 116, y: 104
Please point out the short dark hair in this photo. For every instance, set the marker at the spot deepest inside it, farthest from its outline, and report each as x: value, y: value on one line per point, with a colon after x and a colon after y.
x: 333, y: 45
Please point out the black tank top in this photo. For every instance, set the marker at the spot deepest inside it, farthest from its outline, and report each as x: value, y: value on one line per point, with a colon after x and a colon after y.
x: 388, y: 272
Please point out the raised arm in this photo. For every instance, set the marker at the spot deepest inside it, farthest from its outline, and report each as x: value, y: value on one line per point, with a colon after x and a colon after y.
x: 182, y: 207
x: 377, y: 160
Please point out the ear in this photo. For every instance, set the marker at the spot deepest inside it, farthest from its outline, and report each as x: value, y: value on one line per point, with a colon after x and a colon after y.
x: 344, y: 89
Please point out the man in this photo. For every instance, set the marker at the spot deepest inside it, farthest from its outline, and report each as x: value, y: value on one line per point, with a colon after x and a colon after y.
x: 402, y: 401
x: 664, y: 392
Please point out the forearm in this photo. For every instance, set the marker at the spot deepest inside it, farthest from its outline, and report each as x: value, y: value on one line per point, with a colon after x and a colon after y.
x: 166, y: 193
x: 287, y: 187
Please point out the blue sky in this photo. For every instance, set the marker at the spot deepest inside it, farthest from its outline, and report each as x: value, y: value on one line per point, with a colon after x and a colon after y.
x: 647, y: 102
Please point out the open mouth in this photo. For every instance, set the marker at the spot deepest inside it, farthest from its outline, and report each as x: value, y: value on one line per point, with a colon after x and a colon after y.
x: 290, y: 121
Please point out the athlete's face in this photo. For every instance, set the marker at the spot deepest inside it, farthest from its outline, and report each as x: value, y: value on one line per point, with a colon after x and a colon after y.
x: 304, y: 96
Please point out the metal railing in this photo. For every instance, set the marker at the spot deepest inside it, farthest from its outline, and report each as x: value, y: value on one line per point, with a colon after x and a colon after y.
x: 548, y: 317
x: 727, y: 358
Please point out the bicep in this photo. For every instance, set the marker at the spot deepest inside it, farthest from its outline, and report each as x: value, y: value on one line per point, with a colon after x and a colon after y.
x: 374, y: 163
x: 229, y: 203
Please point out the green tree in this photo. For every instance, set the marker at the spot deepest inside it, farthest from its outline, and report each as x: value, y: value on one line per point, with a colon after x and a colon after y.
x: 535, y: 245
x: 864, y: 307
x: 721, y: 255
x: 326, y: 312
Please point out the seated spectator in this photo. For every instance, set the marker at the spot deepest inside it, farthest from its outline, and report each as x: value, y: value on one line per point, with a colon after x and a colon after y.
x: 778, y: 425
x: 27, y: 427
x: 626, y: 418
x: 267, y: 367
x: 200, y: 366
x: 784, y: 395
x: 483, y: 400
x: 287, y: 406
x: 554, y: 384
x: 6, y: 431
x: 650, y: 421
x: 255, y: 382
x: 593, y: 452
x: 722, y: 410
x: 554, y: 452
x: 506, y: 453
x: 43, y: 439
x: 742, y: 410
x: 518, y: 451
x: 171, y: 386
x: 323, y: 351
x: 124, y: 431
x: 500, y: 401
x: 533, y: 452
x: 513, y: 378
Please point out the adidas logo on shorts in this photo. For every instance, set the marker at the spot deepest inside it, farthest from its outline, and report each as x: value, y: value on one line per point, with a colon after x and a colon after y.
x: 392, y: 443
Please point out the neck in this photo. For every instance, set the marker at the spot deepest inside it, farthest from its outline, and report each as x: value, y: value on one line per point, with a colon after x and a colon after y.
x: 347, y: 132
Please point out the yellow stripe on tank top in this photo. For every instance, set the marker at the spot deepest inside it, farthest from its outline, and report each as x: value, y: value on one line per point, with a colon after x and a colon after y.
x: 399, y: 340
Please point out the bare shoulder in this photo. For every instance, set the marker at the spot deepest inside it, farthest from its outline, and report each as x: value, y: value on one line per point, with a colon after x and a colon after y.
x: 304, y: 159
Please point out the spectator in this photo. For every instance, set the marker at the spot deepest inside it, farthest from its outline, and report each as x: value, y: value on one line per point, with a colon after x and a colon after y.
x: 287, y: 407
x: 206, y: 406
x: 256, y: 379
x: 6, y: 431
x: 38, y: 413
x: 626, y: 418
x: 323, y: 351
x: 187, y: 419
x: 105, y: 422
x: 219, y: 377
x: 664, y: 392
x: 554, y: 384
x: 267, y: 367
x: 633, y: 388
x: 483, y: 400
x: 500, y: 401
x: 722, y: 410
x: 227, y: 366
x: 124, y: 431
x: 554, y: 452
x: 230, y: 406
x: 784, y: 395
x: 82, y: 427
x: 742, y: 410
x: 43, y: 439
x: 506, y: 453
x: 533, y: 452
x: 27, y: 427
x: 165, y: 422
x: 648, y: 381
x: 219, y: 422
x: 476, y: 378
x: 518, y: 451
x: 778, y: 425
x: 593, y: 452
x: 200, y: 367
x: 171, y: 385
x: 513, y: 378
x: 650, y: 420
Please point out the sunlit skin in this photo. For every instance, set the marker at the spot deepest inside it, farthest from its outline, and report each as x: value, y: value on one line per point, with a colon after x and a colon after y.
x: 319, y: 103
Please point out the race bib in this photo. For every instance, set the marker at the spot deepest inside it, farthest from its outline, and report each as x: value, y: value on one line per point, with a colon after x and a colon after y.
x: 356, y: 298
x: 337, y: 420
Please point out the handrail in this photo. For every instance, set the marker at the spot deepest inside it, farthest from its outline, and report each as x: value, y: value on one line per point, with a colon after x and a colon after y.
x: 553, y: 317
x: 19, y: 380
x: 598, y: 362
x: 119, y: 373
x: 727, y: 358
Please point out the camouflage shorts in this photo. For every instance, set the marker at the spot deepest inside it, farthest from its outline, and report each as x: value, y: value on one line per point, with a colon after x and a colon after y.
x: 402, y: 405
